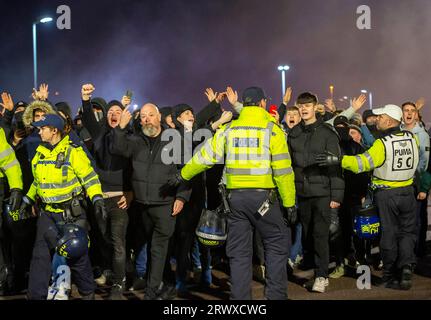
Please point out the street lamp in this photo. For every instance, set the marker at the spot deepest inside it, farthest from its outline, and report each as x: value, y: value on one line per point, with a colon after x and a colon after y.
x: 331, y: 91
x: 42, y: 20
x: 283, y: 70
x: 370, y: 97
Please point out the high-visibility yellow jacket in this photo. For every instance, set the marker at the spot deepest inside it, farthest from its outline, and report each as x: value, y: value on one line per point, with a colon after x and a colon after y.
x: 9, y: 165
x: 393, y: 160
x: 255, y: 152
x: 57, y: 185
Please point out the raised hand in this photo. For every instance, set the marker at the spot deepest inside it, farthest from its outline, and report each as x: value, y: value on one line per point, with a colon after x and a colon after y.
x: 7, y: 101
x: 420, y: 103
x: 358, y: 102
x: 43, y: 92
x: 232, y: 95
x: 125, y: 101
x: 210, y: 94
x: 86, y: 91
x: 287, y: 95
x: 126, y: 116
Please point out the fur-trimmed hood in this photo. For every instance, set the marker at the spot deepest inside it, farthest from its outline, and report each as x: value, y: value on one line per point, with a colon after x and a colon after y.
x: 27, y: 117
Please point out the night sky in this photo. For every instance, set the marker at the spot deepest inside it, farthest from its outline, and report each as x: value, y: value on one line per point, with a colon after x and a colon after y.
x: 169, y: 51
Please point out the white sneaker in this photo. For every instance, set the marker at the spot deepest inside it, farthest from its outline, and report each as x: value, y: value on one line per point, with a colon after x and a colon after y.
x: 291, y: 263
x: 58, y: 293
x: 101, y: 281
x: 298, y: 259
x: 320, y: 284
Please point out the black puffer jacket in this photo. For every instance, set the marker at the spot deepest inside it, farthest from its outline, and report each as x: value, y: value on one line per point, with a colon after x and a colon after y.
x: 305, y: 143
x: 149, y: 171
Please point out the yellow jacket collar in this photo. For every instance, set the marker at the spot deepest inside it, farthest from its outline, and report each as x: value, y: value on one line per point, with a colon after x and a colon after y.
x: 60, y: 147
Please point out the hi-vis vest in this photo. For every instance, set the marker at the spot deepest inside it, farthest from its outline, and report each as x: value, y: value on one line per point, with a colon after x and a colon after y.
x: 9, y: 165
x: 255, y: 152
x: 393, y: 158
x: 57, y: 184
x: 402, y: 158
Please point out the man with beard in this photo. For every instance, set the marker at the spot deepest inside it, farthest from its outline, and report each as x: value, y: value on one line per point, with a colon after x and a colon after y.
x: 115, y: 173
x: 150, y: 172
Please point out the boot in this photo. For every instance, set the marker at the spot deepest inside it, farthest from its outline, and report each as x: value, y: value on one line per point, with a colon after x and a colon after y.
x: 406, y: 277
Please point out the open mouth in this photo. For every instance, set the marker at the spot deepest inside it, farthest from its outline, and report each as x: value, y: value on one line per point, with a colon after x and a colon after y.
x: 114, y: 121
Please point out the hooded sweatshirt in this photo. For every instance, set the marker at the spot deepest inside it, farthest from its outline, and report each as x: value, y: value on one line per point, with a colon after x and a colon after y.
x: 114, y: 170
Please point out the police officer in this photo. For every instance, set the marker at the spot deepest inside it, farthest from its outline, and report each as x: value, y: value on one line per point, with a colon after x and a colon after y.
x: 257, y: 163
x: 61, y: 171
x: 11, y: 170
x: 394, y: 158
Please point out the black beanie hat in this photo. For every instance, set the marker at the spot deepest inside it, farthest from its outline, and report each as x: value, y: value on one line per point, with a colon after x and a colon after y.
x: 165, y: 111
x: 20, y: 104
x: 114, y: 103
x: 366, y: 114
x: 180, y: 108
x: 64, y: 108
x: 99, y: 103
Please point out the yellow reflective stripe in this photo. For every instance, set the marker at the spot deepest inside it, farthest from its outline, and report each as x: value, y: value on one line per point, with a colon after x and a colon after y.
x: 6, y: 152
x: 248, y: 128
x: 360, y: 163
x: 370, y: 160
x: 247, y: 156
x: 64, y: 168
x: 202, y: 160
x: 11, y: 164
x: 281, y: 156
x: 91, y: 183
x: 58, y: 185
x: 63, y: 197
x: 280, y: 172
x: 253, y: 171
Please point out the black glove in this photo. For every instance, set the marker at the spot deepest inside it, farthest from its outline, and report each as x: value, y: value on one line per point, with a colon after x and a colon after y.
x: 99, y: 207
x: 15, y: 199
x: 170, y: 186
x: 24, y: 210
x: 327, y: 159
x: 290, y: 216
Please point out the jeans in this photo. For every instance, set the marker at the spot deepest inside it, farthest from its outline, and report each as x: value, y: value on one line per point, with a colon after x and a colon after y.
x: 141, y: 262
x: 296, y: 249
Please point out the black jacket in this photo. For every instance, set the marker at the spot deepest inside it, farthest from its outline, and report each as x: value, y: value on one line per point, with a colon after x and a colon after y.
x: 305, y: 143
x: 149, y: 171
x: 114, y: 170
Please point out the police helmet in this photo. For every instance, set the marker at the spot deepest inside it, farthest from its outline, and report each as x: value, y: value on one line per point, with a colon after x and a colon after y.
x: 367, y: 222
x: 211, y: 230
x: 74, y: 242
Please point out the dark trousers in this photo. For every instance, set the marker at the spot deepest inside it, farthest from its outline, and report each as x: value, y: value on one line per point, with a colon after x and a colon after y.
x: 314, y: 214
x: 422, y: 227
x: 184, y: 237
x: 115, y: 236
x: 159, y: 225
x: 40, y: 267
x: 239, y: 247
x: 397, y: 210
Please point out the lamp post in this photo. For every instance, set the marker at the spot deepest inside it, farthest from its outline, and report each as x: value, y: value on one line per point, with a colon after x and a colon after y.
x: 370, y: 97
x: 283, y: 70
x: 43, y: 20
x: 331, y: 91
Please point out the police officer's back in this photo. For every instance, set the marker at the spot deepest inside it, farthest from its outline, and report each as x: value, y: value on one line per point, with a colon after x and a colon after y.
x: 257, y: 162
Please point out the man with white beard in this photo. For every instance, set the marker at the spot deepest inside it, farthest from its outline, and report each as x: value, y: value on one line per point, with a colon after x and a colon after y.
x: 158, y: 209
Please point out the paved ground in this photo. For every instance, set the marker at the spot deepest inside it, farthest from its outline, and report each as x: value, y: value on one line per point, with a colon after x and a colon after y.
x: 339, y: 289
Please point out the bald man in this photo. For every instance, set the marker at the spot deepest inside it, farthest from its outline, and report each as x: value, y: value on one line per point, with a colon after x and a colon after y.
x: 150, y: 173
